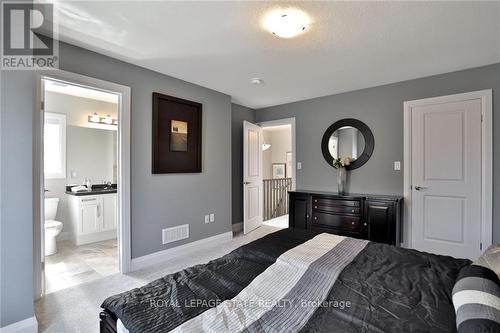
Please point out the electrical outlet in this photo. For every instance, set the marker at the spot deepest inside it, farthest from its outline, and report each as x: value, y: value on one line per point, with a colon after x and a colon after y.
x: 207, y: 219
x: 212, y: 217
x: 299, y: 165
x: 397, y: 165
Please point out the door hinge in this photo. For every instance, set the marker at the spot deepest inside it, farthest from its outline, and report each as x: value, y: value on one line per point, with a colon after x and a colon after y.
x: 481, y: 246
x: 482, y: 117
x: 42, y: 105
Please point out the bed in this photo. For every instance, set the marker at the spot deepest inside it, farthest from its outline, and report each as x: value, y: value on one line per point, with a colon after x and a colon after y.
x: 296, y: 281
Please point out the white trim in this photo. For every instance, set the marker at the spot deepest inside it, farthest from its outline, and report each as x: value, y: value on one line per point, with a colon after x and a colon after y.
x: 123, y: 162
x: 286, y: 121
x: 486, y: 97
x: 185, y: 249
x: 28, y: 325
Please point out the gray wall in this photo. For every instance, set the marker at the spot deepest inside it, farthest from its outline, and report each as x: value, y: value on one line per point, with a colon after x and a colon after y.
x: 238, y: 114
x: 158, y: 201
x: 161, y: 201
x: 16, y: 185
x: 381, y: 108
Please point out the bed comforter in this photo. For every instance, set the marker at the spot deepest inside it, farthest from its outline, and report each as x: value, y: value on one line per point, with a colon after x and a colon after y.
x: 296, y: 281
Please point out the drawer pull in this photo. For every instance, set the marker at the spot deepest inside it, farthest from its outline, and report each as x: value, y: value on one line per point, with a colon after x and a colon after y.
x: 315, y: 217
x: 365, y: 224
x: 315, y: 200
x: 352, y: 223
x: 315, y: 207
x: 352, y: 211
x: 83, y: 200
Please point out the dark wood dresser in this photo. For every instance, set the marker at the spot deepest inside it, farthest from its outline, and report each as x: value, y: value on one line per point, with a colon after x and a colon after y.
x: 377, y: 218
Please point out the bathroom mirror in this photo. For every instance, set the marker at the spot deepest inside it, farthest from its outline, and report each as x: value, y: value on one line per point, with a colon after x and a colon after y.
x: 348, y: 137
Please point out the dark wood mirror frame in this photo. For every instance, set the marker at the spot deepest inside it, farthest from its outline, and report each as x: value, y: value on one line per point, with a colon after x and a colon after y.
x: 360, y: 126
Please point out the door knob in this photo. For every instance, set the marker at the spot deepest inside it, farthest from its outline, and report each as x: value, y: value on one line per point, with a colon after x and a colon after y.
x: 247, y: 183
x: 420, y: 188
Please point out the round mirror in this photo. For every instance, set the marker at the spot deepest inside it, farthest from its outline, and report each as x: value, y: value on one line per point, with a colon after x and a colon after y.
x: 348, y: 138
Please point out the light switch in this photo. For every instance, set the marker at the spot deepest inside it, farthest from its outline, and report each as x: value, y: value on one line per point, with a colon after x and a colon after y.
x: 299, y: 165
x: 73, y: 174
x: 212, y: 217
x: 397, y: 165
x: 207, y: 219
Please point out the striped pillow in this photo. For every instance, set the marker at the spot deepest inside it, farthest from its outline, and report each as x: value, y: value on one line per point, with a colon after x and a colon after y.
x: 476, y: 298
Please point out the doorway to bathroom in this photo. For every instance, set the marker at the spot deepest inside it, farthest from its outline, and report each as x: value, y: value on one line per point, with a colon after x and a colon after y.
x: 82, y: 226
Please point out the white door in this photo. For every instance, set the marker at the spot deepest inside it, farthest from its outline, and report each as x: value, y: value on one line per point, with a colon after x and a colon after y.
x: 90, y: 216
x: 108, y: 211
x: 252, y: 177
x: 446, y: 178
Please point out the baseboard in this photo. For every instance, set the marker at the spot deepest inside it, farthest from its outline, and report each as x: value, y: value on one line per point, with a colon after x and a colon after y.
x: 29, y: 325
x: 238, y: 227
x: 164, y: 255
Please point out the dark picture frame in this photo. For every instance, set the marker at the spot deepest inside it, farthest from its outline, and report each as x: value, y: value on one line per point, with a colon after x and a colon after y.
x: 176, y: 135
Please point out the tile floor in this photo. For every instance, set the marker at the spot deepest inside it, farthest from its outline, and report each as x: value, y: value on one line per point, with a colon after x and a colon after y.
x: 73, y: 265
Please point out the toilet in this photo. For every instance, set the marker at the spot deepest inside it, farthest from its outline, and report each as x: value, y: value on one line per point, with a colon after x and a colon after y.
x: 52, y: 227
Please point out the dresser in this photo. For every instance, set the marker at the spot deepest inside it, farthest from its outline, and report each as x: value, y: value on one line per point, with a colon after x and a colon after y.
x: 377, y: 218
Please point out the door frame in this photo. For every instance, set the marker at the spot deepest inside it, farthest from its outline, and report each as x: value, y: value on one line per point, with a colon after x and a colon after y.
x: 286, y: 121
x: 123, y: 193
x: 486, y: 97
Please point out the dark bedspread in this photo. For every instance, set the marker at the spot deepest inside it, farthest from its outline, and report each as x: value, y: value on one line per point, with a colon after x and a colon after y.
x: 389, y: 289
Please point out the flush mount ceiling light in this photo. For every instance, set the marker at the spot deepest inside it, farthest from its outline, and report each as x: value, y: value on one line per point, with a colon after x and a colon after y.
x: 256, y: 81
x: 286, y: 23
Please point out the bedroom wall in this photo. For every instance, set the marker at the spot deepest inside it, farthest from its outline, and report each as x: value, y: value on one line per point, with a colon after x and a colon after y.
x: 381, y: 108
x: 239, y: 113
x: 16, y: 186
x: 162, y: 201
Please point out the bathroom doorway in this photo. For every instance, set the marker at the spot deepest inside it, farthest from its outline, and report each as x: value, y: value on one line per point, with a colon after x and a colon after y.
x: 82, y: 230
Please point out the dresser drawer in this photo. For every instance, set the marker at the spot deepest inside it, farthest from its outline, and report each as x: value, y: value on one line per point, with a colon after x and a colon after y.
x: 335, y: 202
x: 337, y: 221
x: 338, y: 209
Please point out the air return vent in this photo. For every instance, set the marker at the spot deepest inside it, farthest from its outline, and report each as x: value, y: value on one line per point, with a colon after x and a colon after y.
x: 173, y: 234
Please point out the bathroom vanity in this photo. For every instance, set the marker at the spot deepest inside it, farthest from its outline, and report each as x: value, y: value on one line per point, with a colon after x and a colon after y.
x: 92, y: 215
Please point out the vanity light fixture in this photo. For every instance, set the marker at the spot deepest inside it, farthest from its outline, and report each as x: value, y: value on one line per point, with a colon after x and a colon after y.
x: 107, y: 120
x: 286, y: 23
x: 94, y: 118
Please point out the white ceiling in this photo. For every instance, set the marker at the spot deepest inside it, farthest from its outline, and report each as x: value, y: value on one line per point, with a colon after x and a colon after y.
x: 350, y: 45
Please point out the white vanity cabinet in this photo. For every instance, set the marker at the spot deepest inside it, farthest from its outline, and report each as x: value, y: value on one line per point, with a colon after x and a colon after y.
x: 92, y: 217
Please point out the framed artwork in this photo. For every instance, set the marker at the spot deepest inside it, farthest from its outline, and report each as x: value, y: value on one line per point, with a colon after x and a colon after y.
x: 176, y: 140
x: 279, y: 170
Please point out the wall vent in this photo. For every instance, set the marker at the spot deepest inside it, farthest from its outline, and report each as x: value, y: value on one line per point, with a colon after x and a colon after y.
x: 173, y: 234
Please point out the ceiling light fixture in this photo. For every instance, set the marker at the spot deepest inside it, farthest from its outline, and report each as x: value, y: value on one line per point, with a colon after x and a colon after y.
x: 286, y: 23
x: 257, y: 81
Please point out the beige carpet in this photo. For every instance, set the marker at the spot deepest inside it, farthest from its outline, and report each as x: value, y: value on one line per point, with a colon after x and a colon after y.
x: 76, y: 309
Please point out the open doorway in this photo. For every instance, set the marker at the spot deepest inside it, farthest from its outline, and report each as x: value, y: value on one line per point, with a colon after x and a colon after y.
x: 278, y: 172
x: 82, y: 226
